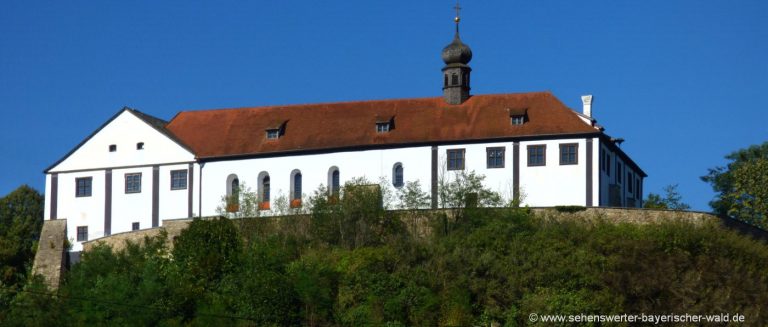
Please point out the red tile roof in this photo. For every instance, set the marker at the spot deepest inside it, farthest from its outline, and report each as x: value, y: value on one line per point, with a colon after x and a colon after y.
x: 242, y: 131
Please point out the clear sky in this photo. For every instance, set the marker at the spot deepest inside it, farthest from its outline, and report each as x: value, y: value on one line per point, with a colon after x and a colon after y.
x: 684, y: 82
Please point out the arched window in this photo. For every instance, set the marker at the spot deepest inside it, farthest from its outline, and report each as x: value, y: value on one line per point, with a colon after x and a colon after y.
x: 445, y: 80
x: 334, y: 182
x: 397, y: 175
x: 265, y: 189
x: 233, y: 193
x: 296, y: 191
x: 454, y: 79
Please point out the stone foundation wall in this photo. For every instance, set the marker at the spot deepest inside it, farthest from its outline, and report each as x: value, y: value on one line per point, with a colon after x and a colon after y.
x: 627, y: 215
x: 117, y: 241
x: 417, y: 222
x: 50, y: 257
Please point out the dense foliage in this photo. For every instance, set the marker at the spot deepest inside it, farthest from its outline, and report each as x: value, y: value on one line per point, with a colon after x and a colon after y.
x: 741, y: 185
x: 21, y: 219
x: 485, y: 266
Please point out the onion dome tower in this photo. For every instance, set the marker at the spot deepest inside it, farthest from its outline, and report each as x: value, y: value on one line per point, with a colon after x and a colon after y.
x: 456, y: 56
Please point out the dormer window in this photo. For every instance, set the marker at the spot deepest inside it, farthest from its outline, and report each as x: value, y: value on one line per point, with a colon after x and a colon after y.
x: 140, y: 146
x: 385, y: 125
x: 113, y: 148
x: 382, y: 127
x: 518, y: 116
x: 273, y: 134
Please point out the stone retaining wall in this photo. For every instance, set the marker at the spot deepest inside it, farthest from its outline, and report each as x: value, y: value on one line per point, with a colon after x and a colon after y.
x: 118, y: 241
x: 50, y: 257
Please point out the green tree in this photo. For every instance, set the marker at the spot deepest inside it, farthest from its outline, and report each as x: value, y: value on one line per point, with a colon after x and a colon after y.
x: 412, y: 197
x: 21, y: 219
x: 741, y: 185
x: 208, y: 249
x: 671, y: 200
x: 748, y: 200
x: 353, y: 218
x: 242, y: 203
x: 466, y: 189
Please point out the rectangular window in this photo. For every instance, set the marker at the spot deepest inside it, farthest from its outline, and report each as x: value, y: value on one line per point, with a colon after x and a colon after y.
x: 82, y: 233
x: 618, y: 172
x: 179, y: 179
x: 604, y: 161
x: 133, y: 183
x: 83, y: 186
x: 273, y: 134
x: 112, y: 147
x: 495, y: 157
x: 517, y: 119
x: 382, y: 127
x: 629, y: 182
x: 569, y: 154
x: 537, y: 155
x: 637, y: 188
x: 456, y: 159
x: 608, y: 164
x: 135, y: 226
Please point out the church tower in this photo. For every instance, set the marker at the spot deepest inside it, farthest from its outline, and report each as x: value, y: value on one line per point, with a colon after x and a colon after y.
x: 456, y: 56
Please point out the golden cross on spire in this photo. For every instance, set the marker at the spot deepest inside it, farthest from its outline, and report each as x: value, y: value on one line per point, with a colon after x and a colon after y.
x: 458, y: 9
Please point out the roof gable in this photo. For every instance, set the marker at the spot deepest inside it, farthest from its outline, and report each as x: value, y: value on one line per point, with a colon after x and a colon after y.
x: 241, y: 132
x: 125, y: 130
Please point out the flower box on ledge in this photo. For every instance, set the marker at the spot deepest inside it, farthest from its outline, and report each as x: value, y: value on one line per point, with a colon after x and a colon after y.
x: 296, y: 203
x: 264, y: 206
x: 233, y: 207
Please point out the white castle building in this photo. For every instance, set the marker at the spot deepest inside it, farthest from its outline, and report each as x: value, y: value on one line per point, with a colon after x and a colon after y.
x: 137, y: 170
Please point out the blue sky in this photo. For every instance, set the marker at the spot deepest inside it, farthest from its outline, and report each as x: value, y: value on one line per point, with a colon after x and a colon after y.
x: 684, y: 82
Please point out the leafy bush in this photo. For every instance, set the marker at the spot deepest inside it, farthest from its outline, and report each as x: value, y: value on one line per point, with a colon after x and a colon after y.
x: 495, y: 266
x: 570, y: 209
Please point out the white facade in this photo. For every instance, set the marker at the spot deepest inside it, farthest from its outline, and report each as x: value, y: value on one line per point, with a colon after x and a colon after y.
x: 371, y: 164
x: 115, y: 151
x: 585, y: 180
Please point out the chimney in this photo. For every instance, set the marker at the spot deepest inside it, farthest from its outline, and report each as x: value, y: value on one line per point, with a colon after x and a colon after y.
x: 587, y: 101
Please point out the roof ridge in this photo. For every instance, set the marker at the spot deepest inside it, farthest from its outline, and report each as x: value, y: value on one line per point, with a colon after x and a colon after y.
x: 354, y: 101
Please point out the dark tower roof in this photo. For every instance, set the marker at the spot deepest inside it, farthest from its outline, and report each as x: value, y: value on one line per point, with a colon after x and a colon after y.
x: 457, y: 52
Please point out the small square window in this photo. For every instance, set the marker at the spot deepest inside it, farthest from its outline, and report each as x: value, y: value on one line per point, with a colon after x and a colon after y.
x: 179, y: 179
x: 495, y: 157
x: 537, y: 155
x: 112, y: 147
x: 569, y: 154
x: 140, y: 146
x: 83, y: 186
x: 456, y: 159
x: 133, y: 183
x: 82, y: 233
x: 135, y: 226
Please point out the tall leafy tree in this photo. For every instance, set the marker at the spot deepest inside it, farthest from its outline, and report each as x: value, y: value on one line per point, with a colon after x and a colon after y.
x: 741, y: 185
x: 21, y: 218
